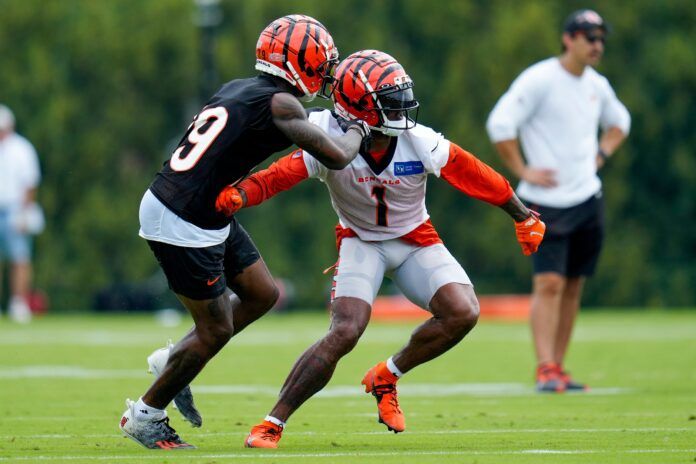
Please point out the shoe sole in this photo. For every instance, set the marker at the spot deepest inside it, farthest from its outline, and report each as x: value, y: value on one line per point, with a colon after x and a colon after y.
x: 136, y: 440
x: 187, y: 447
x: 249, y: 445
x: 389, y: 428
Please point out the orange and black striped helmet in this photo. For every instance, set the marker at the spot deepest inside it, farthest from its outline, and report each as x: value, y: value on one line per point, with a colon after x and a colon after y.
x: 372, y: 86
x: 300, y: 50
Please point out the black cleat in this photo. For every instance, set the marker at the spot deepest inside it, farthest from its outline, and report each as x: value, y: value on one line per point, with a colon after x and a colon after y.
x: 183, y: 401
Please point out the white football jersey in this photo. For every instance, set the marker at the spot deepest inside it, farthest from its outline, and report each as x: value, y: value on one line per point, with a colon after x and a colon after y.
x: 382, y: 204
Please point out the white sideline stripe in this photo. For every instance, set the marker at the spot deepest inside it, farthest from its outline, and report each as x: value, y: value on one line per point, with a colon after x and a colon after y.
x: 376, y: 334
x: 411, y: 390
x: 280, y: 455
x: 417, y: 432
x: 337, y: 391
x: 69, y: 372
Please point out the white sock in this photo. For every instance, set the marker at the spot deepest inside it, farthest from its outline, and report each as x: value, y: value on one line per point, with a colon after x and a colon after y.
x: 145, y: 412
x: 276, y: 421
x: 392, y: 367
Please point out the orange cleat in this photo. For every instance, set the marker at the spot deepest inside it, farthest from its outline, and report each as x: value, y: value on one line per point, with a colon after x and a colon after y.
x: 548, y: 379
x: 265, y: 435
x: 382, y: 384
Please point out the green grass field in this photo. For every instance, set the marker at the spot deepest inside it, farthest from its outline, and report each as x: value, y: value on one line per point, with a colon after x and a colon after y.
x: 63, y: 382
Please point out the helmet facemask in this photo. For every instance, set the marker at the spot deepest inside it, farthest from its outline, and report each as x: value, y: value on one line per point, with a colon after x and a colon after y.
x: 395, y: 105
x: 326, y: 71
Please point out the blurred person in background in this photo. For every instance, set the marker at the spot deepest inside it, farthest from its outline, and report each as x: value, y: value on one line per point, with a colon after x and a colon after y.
x: 20, y: 217
x: 209, y: 260
x: 556, y: 108
x: 384, y: 229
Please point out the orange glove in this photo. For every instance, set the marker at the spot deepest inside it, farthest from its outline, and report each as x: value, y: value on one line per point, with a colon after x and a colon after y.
x: 229, y: 201
x: 530, y: 233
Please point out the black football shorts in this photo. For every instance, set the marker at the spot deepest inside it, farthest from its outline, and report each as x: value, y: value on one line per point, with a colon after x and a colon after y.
x: 573, y: 238
x: 202, y: 273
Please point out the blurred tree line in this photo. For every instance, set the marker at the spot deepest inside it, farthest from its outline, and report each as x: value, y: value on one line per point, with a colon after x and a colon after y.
x: 104, y: 89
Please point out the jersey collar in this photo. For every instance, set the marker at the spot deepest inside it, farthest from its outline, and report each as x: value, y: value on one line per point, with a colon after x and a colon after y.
x: 376, y: 167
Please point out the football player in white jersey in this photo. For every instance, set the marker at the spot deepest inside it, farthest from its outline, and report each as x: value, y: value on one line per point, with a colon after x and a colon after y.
x: 384, y: 229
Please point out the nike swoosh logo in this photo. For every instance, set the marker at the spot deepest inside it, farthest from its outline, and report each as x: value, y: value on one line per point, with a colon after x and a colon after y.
x: 531, y: 233
x: 212, y: 281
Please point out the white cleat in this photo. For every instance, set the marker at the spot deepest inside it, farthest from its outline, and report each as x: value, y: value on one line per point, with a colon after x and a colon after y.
x: 152, y: 434
x: 183, y: 401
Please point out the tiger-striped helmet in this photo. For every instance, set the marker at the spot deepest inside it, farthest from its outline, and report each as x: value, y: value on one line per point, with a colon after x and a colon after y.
x: 372, y: 86
x: 300, y: 50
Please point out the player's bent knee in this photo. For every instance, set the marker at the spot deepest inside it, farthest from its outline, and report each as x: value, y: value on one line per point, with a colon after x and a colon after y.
x: 343, y: 337
x: 466, y: 313
x: 221, y: 335
x: 457, y: 306
x: 216, y: 335
x: 265, y: 295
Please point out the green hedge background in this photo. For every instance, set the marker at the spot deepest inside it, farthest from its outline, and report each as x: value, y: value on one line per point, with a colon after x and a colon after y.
x: 105, y: 88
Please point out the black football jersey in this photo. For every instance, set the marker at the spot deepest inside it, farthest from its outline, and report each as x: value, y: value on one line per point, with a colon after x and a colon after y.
x: 231, y: 135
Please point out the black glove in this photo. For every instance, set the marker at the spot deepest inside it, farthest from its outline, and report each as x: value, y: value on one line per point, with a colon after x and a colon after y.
x: 358, y: 125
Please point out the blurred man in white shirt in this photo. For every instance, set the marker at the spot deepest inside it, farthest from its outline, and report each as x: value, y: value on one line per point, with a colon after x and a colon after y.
x: 555, y: 110
x: 19, y: 179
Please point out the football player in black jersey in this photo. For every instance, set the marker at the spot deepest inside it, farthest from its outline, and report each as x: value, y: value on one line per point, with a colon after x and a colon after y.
x: 209, y: 260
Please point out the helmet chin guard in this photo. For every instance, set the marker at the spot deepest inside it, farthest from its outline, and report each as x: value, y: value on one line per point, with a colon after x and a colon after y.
x: 393, y: 131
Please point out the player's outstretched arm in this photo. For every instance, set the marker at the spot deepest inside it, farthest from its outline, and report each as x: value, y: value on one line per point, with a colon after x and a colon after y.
x: 282, y: 175
x: 475, y: 178
x: 333, y: 152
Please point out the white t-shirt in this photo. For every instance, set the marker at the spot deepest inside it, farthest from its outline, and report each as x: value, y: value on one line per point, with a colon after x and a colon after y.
x: 19, y: 170
x: 160, y: 224
x: 557, y: 116
x: 388, y: 204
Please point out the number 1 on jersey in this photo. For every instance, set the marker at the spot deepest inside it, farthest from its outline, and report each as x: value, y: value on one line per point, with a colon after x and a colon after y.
x: 380, y: 194
x: 199, y: 141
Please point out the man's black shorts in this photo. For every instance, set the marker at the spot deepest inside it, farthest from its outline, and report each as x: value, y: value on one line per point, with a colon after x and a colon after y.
x: 202, y: 273
x: 573, y: 238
